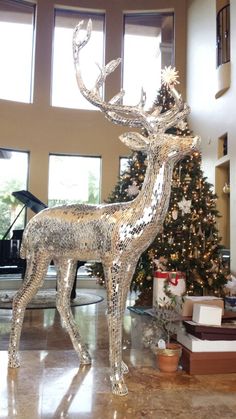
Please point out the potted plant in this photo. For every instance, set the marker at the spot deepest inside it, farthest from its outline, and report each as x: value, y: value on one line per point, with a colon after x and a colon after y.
x: 159, y: 334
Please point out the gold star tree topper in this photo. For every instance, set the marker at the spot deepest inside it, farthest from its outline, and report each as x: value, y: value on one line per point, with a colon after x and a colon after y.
x: 169, y: 76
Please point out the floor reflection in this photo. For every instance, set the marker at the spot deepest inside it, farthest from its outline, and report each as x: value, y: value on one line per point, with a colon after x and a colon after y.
x: 51, y: 384
x: 83, y: 377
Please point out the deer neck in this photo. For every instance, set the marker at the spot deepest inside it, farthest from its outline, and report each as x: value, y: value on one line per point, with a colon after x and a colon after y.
x: 153, y: 199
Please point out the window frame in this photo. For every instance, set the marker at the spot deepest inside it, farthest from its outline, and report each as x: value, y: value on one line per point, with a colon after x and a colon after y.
x: 127, y: 158
x: 29, y: 5
x: 4, y: 152
x: 223, y: 35
x: 158, y: 15
x: 80, y: 156
x: 82, y: 15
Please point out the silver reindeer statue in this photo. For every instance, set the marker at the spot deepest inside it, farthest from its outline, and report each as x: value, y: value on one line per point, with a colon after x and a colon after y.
x: 114, y: 234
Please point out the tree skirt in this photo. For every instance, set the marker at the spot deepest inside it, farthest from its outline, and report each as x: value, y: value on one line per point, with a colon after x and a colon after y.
x: 47, y: 299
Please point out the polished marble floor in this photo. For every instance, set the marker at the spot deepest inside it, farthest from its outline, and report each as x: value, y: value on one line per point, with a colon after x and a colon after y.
x: 50, y: 384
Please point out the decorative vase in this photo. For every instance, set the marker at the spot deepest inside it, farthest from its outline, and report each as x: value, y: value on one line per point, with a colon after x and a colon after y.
x: 168, y: 358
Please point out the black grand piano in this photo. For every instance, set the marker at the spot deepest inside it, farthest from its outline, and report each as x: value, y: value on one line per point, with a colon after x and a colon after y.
x: 10, y: 261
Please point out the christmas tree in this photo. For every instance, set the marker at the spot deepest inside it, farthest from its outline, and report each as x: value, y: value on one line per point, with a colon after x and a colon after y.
x: 189, y: 242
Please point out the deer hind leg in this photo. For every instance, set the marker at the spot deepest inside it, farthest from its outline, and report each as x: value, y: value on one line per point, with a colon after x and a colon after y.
x: 66, y: 276
x: 35, y: 272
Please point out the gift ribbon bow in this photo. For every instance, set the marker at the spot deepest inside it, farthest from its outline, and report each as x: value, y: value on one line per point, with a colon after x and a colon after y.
x: 173, y: 277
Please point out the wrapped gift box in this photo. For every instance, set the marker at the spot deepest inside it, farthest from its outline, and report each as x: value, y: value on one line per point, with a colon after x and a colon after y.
x: 195, y: 344
x: 187, y: 309
x: 227, y: 331
x: 175, y: 281
x: 208, y: 362
x: 207, y: 315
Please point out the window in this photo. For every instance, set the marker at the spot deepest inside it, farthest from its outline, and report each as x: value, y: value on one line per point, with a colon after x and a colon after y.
x: 124, y: 164
x: 16, y: 50
x: 13, y: 177
x: 223, y: 35
x: 148, y: 47
x: 65, y: 92
x: 74, y: 179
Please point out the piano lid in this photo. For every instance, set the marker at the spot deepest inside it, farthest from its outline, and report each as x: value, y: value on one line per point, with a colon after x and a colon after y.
x: 30, y: 201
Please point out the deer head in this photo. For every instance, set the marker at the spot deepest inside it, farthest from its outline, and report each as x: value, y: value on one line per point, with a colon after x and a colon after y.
x: 155, y: 122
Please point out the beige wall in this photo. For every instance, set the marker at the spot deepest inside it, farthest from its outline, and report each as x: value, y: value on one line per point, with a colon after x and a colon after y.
x: 41, y: 129
x: 210, y: 117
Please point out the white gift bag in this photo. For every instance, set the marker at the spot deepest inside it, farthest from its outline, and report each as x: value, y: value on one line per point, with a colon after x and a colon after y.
x: 174, y: 282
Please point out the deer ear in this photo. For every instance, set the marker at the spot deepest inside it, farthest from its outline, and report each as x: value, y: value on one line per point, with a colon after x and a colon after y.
x: 134, y: 140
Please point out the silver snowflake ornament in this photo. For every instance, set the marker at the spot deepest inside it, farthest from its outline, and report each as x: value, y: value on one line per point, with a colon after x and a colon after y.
x: 133, y: 189
x: 185, y: 205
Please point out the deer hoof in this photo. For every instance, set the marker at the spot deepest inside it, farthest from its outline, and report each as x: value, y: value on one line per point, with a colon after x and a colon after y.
x: 85, y: 358
x: 118, y: 385
x: 124, y: 368
x: 119, y: 388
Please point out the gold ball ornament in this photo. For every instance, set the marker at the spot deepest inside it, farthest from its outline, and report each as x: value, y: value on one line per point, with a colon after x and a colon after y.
x: 175, y: 214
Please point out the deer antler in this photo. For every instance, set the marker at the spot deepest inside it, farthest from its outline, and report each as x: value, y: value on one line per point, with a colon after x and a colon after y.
x: 126, y: 115
x: 133, y: 116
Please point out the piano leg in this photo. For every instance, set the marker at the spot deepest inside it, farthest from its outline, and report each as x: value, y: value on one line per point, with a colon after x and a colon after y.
x: 23, y: 264
x: 73, y: 291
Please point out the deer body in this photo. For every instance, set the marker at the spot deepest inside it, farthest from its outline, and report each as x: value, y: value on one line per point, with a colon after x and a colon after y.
x: 88, y: 232
x: 114, y: 234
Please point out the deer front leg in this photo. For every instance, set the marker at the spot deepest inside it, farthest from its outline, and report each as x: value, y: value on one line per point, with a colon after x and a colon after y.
x: 115, y: 323
x: 128, y: 275
x: 65, y: 278
x: 35, y: 273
